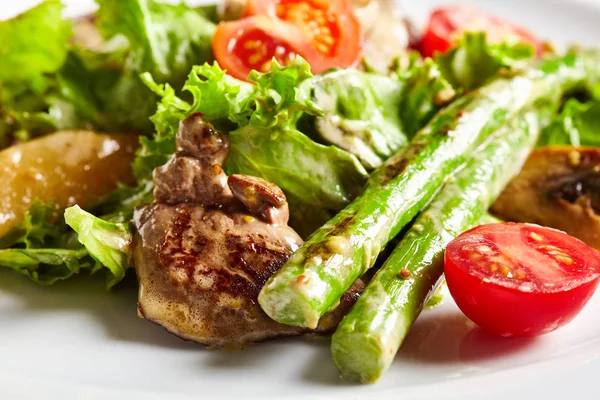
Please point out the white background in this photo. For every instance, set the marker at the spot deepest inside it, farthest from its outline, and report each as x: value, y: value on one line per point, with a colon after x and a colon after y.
x: 77, y: 341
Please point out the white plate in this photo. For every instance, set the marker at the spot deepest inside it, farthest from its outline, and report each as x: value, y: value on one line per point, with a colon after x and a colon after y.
x: 75, y: 341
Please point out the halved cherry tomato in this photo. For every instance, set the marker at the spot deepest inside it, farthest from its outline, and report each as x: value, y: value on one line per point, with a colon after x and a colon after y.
x: 334, y: 29
x: 447, y: 24
x: 520, y: 279
x: 251, y: 43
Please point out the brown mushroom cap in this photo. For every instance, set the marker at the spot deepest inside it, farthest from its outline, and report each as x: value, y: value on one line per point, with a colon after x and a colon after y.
x: 559, y: 187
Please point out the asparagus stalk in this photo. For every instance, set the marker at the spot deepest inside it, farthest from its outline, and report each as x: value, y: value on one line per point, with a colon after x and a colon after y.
x: 315, y: 277
x: 368, y: 338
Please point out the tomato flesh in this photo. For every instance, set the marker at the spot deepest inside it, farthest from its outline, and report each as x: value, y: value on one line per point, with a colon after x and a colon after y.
x: 447, y: 24
x: 520, y: 279
x: 251, y: 44
x: 321, y: 22
x: 256, y: 49
x: 332, y: 26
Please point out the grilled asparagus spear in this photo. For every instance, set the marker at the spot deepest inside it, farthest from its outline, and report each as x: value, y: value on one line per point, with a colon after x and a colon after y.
x: 368, y: 338
x: 315, y: 277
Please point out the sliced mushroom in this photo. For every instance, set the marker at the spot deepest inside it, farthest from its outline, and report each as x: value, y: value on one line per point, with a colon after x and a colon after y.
x: 558, y: 187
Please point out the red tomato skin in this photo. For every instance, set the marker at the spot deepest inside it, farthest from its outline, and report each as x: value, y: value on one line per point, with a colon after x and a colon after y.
x: 507, y: 312
x: 437, y: 36
x: 446, y: 24
x: 496, y: 302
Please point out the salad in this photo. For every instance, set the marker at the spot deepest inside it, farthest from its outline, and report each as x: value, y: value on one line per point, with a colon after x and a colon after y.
x: 288, y: 167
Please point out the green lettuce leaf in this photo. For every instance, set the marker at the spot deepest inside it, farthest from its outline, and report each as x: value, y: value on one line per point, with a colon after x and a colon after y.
x: 34, y: 43
x: 578, y: 124
x: 33, y: 46
x: 223, y: 100
x: 43, y: 248
x: 374, y: 116
x: 48, y: 82
x: 165, y: 39
x: 261, y: 120
x: 360, y: 114
x: 425, y: 92
x: 46, y: 250
x: 267, y: 144
x: 324, y: 177
x: 107, y: 242
x: 474, y: 61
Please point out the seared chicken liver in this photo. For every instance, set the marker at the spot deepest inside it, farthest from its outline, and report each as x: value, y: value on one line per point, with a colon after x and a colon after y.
x: 209, y: 242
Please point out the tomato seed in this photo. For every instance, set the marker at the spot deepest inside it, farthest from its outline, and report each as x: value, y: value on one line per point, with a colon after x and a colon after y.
x: 564, y: 259
x: 547, y: 247
x: 254, y: 58
x: 536, y: 236
x: 252, y: 44
x: 322, y: 47
x: 266, y: 66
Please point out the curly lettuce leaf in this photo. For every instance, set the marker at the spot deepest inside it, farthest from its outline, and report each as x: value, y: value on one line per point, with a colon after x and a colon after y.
x: 36, y: 229
x: 281, y: 97
x: 107, y: 242
x: 43, y: 248
x: 219, y: 97
x: 270, y: 146
x: 474, y: 61
x: 261, y: 120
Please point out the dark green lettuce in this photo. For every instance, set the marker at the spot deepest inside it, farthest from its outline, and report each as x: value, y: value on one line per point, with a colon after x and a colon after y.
x: 48, y: 82
x: 32, y: 46
x: 34, y: 43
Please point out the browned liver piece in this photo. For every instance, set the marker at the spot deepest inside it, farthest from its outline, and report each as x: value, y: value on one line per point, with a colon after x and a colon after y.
x: 209, y: 242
